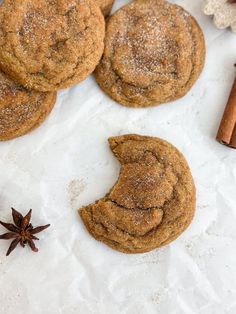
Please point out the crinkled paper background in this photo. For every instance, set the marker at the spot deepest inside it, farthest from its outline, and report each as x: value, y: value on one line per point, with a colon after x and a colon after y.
x: 66, y: 163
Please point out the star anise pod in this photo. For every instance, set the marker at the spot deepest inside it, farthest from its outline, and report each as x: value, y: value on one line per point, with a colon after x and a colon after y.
x: 21, y: 231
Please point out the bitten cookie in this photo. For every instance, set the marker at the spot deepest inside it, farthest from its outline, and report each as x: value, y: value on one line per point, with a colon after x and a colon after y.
x: 21, y: 110
x: 154, y: 52
x: 105, y: 6
x: 50, y: 44
x: 152, y: 202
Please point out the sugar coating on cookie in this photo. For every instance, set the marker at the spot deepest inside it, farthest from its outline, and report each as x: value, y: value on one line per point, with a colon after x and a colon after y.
x: 21, y: 110
x: 50, y: 44
x: 152, y: 202
x: 105, y: 6
x: 154, y: 52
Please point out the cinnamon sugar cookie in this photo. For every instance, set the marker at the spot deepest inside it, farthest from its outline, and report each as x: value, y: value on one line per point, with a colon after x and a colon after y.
x: 21, y: 110
x: 152, y: 202
x: 154, y: 52
x: 105, y: 6
x: 50, y: 44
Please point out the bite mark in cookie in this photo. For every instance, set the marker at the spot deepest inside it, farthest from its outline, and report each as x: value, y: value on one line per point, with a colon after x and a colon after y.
x: 152, y: 202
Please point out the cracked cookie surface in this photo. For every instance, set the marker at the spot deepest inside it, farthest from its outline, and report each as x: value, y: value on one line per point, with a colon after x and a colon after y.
x: 49, y: 45
x: 152, y: 202
x: 154, y: 52
x: 21, y: 110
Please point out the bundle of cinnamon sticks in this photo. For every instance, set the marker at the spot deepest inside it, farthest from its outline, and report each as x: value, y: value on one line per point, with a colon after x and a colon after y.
x: 227, y: 130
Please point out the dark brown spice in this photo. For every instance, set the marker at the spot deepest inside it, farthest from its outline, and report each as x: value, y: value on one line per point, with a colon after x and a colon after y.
x: 227, y: 131
x: 231, y: 1
x: 21, y: 231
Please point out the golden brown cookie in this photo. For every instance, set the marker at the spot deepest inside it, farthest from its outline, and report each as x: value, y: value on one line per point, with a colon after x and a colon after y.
x: 50, y: 44
x: 105, y: 6
x: 152, y: 202
x: 154, y: 52
x: 21, y: 110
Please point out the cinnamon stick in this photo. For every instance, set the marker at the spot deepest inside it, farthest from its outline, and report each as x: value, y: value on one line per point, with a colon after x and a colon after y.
x: 227, y: 130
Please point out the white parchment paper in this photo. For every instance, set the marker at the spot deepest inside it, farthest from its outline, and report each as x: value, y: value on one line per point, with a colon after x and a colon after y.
x: 66, y: 163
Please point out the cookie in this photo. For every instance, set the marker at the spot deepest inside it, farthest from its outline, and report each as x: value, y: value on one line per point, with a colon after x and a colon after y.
x: 152, y: 202
x: 105, y: 6
x: 47, y: 45
x: 154, y: 52
x: 223, y: 12
x: 21, y: 110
